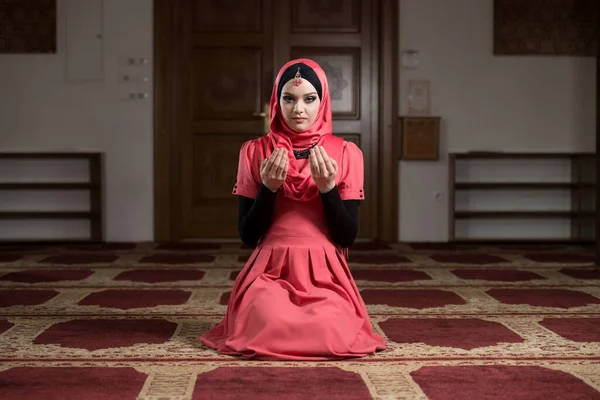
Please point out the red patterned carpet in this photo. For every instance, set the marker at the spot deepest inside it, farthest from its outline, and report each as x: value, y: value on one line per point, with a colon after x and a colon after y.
x: 122, y: 321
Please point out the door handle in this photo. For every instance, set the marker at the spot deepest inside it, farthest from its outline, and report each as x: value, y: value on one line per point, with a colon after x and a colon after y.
x: 266, y: 116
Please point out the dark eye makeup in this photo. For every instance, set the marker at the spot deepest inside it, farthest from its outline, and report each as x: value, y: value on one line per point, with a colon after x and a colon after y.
x: 309, y: 98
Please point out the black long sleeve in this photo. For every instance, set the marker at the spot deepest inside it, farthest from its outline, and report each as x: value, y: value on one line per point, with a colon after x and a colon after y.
x: 255, y: 216
x: 342, y: 217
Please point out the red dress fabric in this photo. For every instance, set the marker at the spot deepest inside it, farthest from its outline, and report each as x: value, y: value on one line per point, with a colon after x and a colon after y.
x: 295, y: 298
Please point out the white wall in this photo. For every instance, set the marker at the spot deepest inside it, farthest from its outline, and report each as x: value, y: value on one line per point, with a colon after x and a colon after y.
x: 486, y: 102
x: 42, y: 110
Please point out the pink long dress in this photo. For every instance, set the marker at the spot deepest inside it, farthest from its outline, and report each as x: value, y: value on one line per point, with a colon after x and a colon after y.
x: 295, y: 298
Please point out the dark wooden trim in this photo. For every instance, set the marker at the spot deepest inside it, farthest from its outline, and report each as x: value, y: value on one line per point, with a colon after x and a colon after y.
x: 374, y: 146
x: 522, y: 185
x: 32, y: 243
x: 451, y: 197
x: 97, y: 200
x: 521, y: 241
x: 514, y: 214
x: 48, y: 155
x: 162, y: 117
x: 514, y: 155
x: 48, y: 186
x: 50, y: 215
x: 597, y: 222
x: 388, y: 121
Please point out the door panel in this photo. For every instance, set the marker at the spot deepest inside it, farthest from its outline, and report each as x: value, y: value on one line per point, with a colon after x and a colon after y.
x: 226, y: 66
x: 219, y: 16
x: 226, y: 82
x: 337, y: 16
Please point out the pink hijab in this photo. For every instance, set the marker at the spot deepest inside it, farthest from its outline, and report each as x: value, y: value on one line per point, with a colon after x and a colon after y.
x: 298, y: 184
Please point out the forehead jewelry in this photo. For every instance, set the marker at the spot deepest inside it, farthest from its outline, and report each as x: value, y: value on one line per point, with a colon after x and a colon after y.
x: 298, y: 78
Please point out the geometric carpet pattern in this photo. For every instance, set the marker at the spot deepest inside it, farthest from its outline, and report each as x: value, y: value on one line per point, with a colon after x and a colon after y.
x: 123, y: 320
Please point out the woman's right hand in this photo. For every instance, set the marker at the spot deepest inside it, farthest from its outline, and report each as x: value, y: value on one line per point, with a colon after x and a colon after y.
x: 273, y: 170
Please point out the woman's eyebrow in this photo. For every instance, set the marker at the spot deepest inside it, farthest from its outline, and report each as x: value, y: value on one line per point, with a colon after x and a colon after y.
x: 306, y: 94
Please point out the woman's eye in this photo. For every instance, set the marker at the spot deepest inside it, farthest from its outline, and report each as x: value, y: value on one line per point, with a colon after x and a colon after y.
x: 288, y: 99
x: 310, y: 99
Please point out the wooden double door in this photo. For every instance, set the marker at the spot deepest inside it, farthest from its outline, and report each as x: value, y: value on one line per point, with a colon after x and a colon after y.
x: 217, y: 61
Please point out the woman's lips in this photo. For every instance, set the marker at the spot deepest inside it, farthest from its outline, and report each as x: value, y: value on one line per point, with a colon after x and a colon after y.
x: 299, y: 120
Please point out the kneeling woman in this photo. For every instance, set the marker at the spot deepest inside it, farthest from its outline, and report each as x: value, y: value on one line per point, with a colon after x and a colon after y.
x: 299, y: 189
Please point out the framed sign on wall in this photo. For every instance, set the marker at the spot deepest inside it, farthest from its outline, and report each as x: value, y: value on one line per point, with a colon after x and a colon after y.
x: 546, y: 27
x: 27, y: 26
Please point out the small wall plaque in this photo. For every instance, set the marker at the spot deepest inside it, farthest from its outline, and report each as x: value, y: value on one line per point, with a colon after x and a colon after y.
x: 420, y: 138
x: 419, y: 97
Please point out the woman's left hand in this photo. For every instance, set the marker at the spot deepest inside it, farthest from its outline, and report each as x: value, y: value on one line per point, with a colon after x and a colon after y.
x: 323, y: 169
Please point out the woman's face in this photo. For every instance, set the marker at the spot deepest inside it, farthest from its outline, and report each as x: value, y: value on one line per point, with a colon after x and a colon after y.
x: 299, y: 105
